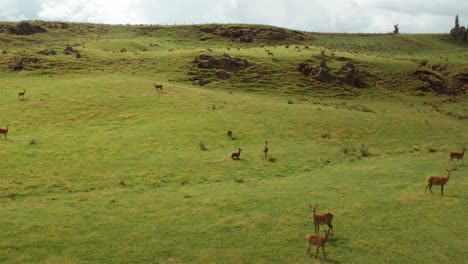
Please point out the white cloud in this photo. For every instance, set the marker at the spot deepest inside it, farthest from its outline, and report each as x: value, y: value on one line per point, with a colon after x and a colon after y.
x: 312, y: 15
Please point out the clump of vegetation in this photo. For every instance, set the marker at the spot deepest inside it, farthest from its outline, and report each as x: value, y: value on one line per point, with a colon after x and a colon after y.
x: 290, y: 101
x: 239, y: 180
x: 202, y: 146
x: 459, y: 33
x: 32, y: 141
x: 364, y: 150
x: 325, y: 135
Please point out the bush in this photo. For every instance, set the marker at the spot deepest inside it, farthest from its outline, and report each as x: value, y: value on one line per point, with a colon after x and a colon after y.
x: 364, y: 151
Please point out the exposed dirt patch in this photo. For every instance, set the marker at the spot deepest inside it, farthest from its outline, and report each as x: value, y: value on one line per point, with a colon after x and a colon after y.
x: 47, y: 52
x: 440, y: 80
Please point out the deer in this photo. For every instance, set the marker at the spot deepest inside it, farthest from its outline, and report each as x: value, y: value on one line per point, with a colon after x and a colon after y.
x: 458, y: 156
x: 265, y: 149
x: 236, y: 155
x: 159, y: 87
x: 4, y: 131
x: 229, y: 134
x: 271, y: 54
x: 317, y: 241
x: 321, y: 219
x: 21, y: 94
x: 438, y: 180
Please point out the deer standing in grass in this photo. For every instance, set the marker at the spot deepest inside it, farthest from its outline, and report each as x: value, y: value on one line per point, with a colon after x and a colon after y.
x: 321, y: 219
x: 458, y: 156
x: 229, y: 134
x: 317, y: 241
x: 236, y: 155
x: 159, y: 87
x: 4, y: 131
x: 438, y: 180
x: 265, y: 149
x: 21, y: 94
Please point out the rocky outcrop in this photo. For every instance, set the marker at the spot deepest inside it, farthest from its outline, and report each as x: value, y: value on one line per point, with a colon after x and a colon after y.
x: 246, y: 34
x: 22, y: 28
x: 225, y: 62
x: 348, y: 74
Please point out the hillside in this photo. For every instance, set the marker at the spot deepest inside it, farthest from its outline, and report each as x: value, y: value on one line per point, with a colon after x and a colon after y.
x: 99, y: 167
x: 427, y: 63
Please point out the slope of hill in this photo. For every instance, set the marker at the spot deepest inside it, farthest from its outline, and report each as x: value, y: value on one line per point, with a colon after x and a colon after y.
x: 99, y: 167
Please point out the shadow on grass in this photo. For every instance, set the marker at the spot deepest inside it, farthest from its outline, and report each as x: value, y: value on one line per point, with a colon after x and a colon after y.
x: 457, y: 196
x: 329, y: 261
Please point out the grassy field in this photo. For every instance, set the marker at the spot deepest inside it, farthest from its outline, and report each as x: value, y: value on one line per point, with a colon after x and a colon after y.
x: 100, y: 168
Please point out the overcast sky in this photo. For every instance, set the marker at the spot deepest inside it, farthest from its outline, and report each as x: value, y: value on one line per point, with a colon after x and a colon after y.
x: 413, y: 16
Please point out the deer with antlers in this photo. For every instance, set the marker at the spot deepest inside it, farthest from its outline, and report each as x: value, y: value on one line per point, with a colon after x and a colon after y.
x: 321, y: 219
x: 4, y: 131
x: 438, y: 180
x: 159, y: 87
x: 458, y: 156
x: 265, y: 149
x: 21, y: 94
x: 318, y: 241
x: 236, y: 155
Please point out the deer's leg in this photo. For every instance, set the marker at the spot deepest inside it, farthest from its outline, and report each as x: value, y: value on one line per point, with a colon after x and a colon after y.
x: 323, y: 250
x: 441, y: 190
x: 316, y: 252
x: 308, y: 248
x: 430, y: 188
x: 330, y: 227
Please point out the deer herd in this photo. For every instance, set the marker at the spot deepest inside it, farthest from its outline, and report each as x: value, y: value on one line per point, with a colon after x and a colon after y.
x: 317, y: 218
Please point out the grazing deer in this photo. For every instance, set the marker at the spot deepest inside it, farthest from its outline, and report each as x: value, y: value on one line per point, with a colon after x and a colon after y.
x: 458, y: 156
x: 236, y: 155
x: 265, y: 149
x: 159, y: 87
x: 4, y: 131
x: 321, y: 219
x: 21, y: 94
x: 317, y: 241
x: 271, y: 54
x: 229, y: 134
x: 438, y: 180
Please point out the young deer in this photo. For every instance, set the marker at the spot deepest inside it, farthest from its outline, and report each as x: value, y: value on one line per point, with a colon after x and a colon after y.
x: 458, y: 156
x: 438, y: 180
x: 159, y: 87
x: 236, y: 155
x: 317, y: 241
x: 4, y: 131
x: 265, y: 149
x: 229, y: 134
x: 21, y: 94
x: 321, y: 219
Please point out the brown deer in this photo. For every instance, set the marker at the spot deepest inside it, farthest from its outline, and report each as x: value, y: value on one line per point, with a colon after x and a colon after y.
x: 438, y: 180
x: 236, y: 155
x: 458, y: 156
x: 271, y: 54
x: 229, y: 134
x: 265, y: 149
x: 4, y: 131
x: 159, y: 87
x: 21, y: 94
x: 317, y: 241
x: 321, y: 219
